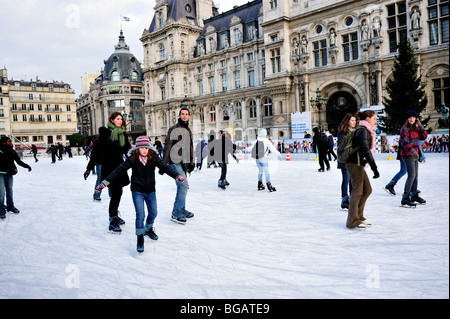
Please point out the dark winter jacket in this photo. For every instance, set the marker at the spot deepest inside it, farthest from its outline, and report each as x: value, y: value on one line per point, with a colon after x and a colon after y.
x: 110, y: 155
x: 142, y: 176
x: 363, y: 139
x: 7, y: 158
x: 409, y: 140
x: 340, y: 137
x: 179, y: 137
x: 317, y: 142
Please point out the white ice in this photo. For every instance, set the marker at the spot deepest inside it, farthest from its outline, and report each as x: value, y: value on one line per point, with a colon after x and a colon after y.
x: 242, y: 243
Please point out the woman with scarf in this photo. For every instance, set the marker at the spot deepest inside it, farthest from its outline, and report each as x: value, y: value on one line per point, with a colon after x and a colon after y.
x: 112, y: 145
x: 364, y: 139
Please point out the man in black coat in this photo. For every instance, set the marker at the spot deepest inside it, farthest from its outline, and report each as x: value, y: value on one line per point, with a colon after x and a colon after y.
x: 179, y: 155
x: 320, y: 144
x: 7, y: 169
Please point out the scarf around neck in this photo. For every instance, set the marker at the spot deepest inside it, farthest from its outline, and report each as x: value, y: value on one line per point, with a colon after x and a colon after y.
x: 117, y: 134
x: 369, y: 127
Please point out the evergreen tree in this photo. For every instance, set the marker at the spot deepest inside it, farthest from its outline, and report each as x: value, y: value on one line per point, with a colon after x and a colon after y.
x: 405, y: 91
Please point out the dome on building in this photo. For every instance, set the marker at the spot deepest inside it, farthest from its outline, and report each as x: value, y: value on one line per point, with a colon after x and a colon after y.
x: 122, y: 64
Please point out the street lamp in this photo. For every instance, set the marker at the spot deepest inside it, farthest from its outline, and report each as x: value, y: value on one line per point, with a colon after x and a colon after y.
x: 85, y: 124
x: 318, y: 102
x: 227, y: 109
x: 185, y: 103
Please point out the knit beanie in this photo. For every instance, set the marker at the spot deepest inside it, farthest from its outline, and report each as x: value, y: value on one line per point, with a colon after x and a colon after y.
x: 142, y: 141
x: 411, y: 113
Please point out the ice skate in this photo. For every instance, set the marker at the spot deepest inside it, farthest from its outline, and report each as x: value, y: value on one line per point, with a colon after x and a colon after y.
x: 114, y: 225
x: 151, y: 233
x: 261, y: 186
x: 140, y: 244
x: 270, y: 188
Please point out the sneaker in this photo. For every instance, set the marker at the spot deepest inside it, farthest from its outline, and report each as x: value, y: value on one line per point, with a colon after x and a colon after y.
x: 151, y: 233
x: 179, y: 220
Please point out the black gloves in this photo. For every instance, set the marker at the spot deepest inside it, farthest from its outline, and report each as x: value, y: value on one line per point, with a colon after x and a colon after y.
x: 374, y: 168
x: 86, y: 174
x: 29, y: 168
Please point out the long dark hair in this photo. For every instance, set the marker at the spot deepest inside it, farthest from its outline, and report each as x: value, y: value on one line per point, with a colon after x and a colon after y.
x: 344, y: 124
x: 113, y: 117
x: 134, y: 157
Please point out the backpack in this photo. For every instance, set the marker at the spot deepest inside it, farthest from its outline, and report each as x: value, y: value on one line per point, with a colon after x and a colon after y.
x: 258, y: 150
x: 346, y: 149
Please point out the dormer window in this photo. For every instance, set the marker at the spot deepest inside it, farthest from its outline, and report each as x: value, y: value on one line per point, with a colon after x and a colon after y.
x: 115, y: 76
x: 160, y: 19
x: 188, y: 8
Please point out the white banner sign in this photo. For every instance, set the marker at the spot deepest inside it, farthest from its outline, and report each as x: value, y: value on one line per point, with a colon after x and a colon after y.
x: 300, y: 123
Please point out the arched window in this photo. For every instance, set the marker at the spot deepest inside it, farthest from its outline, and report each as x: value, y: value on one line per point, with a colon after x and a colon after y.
x: 238, y: 110
x: 134, y: 76
x: 252, y: 109
x: 212, y: 113
x: 162, y: 52
x: 115, y: 76
x: 268, y: 109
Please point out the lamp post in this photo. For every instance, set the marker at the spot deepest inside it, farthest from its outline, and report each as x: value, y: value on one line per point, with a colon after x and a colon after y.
x: 318, y: 102
x: 228, y: 109
x: 185, y: 103
x: 85, y: 124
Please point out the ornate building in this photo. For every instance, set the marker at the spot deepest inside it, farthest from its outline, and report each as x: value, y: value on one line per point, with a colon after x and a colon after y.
x: 252, y: 66
x: 36, y: 112
x: 119, y: 88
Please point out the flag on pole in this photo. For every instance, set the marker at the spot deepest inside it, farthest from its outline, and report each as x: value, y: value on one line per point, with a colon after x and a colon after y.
x: 125, y: 18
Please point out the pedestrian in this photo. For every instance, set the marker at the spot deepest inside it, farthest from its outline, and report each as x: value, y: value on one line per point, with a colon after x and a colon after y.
x: 179, y: 155
x: 347, y: 125
x: 143, y: 161
x: 410, y: 135
x: 53, y: 151
x: 223, y: 147
x: 95, y: 162
x: 320, y: 145
x: 7, y: 170
x: 201, y: 151
x: 364, y: 140
x: 114, y: 145
x: 260, y: 151
x: 34, y: 151
x: 330, y: 146
x: 159, y: 147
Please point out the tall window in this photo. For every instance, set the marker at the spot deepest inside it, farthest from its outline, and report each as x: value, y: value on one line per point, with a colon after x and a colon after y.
x: 115, y: 76
x: 438, y: 21
x: 237, y: 36
x: 200, y: 87
x: 224, y: 82
x: 163, y: 92
x: 273, y: 4
x: 268, y: 110
x: 320, y: 53
x: 237, y: 79
x: 440, y: 91
x: 162, y: 52
x: 252, y: 109
x: 350, y: 46
x: 238, y: 110
x: 251, y: 32
x: 396, y: 24
x: 275, y: 59
x: 160, y: 19
x: 212, y: 113
x: 251, y: 78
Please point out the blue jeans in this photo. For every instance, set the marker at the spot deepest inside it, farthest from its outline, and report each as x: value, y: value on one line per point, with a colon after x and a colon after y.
x: 401, y: 173
x: 150, y: 200
x: 346, y: 185
x: 179, y: 206
x: 6, y: 188
x: 263, y: 168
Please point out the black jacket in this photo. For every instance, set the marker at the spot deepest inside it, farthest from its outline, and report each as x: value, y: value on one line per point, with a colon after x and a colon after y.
x: 7, y: 158
x: 363, y: 139
x: 178, y: 133
x: 110, y: 155
x: 142, y: 176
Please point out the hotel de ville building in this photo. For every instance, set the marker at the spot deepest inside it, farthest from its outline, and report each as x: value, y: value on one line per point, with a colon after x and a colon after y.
x: 258, y: 64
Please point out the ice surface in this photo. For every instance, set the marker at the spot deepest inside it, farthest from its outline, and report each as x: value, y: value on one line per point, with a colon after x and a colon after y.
x: 242, y: 243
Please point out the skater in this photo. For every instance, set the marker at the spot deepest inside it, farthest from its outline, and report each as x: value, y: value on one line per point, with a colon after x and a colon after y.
x: 390, y: 186
x: 7, y: 170
x: 210, y: 159
x: 201, y: 152
x: 364, y: 139
x: 348, y: 124
x: 320, y: 145
x: 143, y: 161
x: 330, y: 146
x: 159, y: 147
x: 410, y: 134
x: 260, y: 152
x: 113, y: 144
x: 95, y: 163
x: 34, y: 151
x: 181, y: 160
x: 52, y: 150
x: 68, y: 150
x: 222, y: 147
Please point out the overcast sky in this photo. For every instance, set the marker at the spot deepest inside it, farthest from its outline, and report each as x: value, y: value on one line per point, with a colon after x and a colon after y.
x: 61, y: 40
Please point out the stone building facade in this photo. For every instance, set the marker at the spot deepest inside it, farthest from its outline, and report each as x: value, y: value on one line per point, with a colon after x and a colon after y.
x: 252, y: 66
x: 36, y: 112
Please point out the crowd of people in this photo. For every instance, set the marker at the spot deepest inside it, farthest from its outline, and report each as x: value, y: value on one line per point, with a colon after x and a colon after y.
x: 111, y: 155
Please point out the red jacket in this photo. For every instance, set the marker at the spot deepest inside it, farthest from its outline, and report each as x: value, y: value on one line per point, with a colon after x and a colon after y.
x: 409, y: 139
